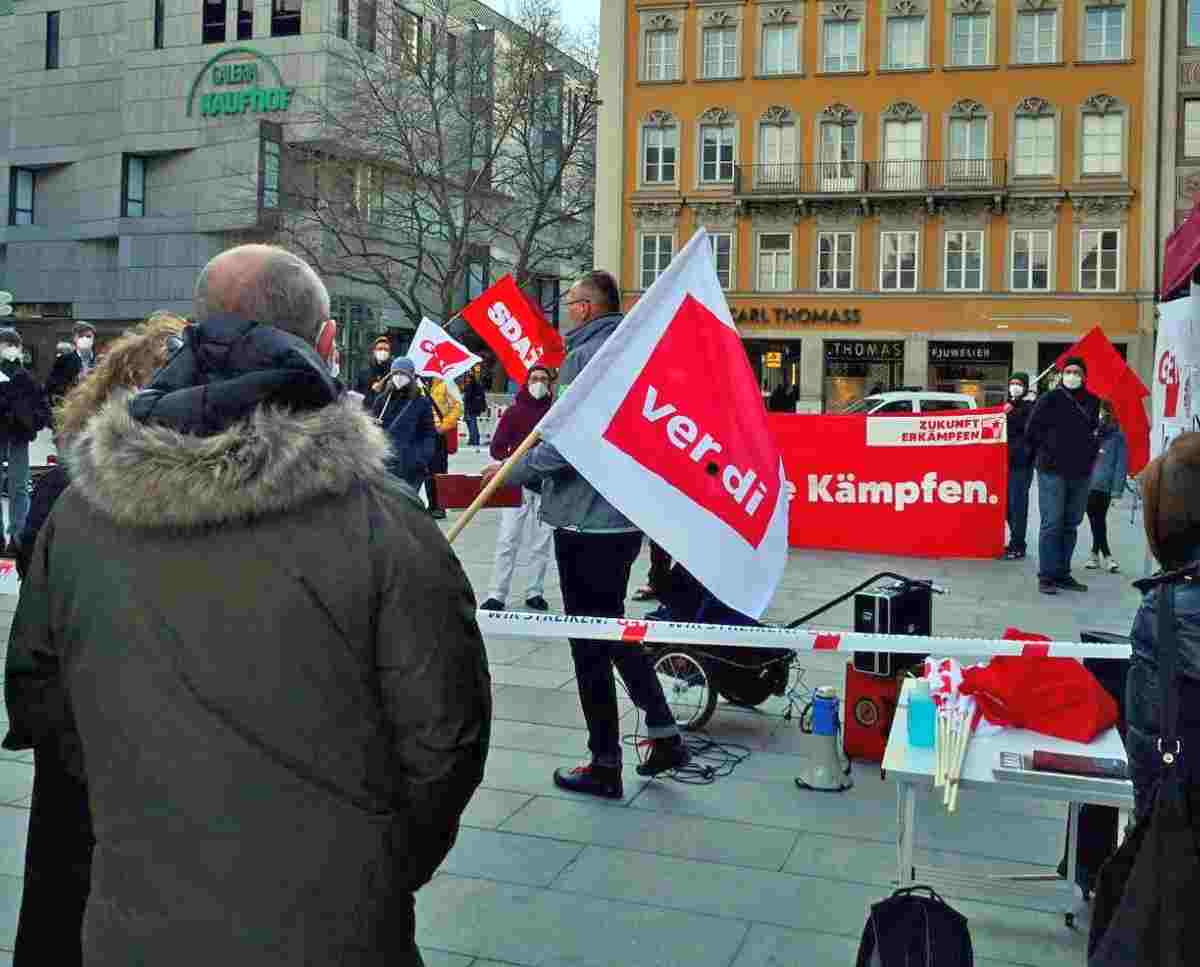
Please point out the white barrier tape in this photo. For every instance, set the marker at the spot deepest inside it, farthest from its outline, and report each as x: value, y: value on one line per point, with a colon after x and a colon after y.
x: 522, y: 624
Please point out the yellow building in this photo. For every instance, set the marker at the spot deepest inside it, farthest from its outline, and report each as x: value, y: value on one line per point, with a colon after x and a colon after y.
x: 922, y: 193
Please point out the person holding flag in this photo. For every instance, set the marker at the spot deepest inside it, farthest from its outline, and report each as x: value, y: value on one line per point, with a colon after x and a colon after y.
x: 595, y: 546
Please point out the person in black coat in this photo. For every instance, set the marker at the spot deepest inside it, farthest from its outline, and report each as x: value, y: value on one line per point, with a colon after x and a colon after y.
x: 373, y: 382
x: 474, y: 406
x: 1020, y: 465
x: 70, y: 367
x: 23, y: 413
x: 1062, y: 434
x: 406, y: 415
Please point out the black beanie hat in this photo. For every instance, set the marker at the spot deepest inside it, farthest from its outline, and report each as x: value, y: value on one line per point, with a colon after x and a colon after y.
x: 1075, y: 361
x: 1022, y: 378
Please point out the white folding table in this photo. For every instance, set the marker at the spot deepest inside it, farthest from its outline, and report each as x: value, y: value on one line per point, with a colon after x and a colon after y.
x: 914, y: 768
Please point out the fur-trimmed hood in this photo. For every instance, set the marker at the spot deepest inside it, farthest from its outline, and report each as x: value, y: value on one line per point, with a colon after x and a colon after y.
x: 149, y: 476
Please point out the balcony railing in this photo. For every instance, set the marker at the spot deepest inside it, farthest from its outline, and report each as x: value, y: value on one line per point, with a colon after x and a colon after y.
x: 967, y: 175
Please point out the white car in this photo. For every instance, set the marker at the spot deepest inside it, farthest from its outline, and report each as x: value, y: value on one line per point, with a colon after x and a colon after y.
x: 912, y: 401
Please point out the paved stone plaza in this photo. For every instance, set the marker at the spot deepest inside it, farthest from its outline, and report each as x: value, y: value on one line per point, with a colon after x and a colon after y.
x: 748, y: 871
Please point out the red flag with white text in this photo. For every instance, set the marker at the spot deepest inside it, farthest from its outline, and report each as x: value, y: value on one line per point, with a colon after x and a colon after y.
x: 668, y: 423
x: 515, y: 329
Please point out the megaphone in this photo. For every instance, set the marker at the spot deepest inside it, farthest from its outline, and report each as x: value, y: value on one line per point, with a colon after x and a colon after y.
x: 828, y: 773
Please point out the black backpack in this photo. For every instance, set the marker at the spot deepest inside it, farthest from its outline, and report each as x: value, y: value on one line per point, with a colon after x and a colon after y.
x: 911, y: 930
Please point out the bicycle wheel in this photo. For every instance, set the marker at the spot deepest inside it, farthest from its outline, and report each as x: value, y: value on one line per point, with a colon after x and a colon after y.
x: 686, y: 684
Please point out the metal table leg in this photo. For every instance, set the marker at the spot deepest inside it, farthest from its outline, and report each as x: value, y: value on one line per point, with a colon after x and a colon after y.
x: 906, y: 830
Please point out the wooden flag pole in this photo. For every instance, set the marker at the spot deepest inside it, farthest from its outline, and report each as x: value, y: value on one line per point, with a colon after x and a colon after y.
x: 492, y: 486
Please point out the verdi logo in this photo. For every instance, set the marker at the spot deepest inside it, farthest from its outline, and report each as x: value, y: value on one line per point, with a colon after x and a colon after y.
x: 241, y: 81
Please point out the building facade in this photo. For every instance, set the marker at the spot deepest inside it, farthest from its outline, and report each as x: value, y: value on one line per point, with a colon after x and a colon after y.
x: 1178, y: 151
x: 927, y: 193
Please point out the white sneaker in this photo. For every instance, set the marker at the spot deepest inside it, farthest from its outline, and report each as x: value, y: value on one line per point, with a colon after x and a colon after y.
x: 1093, y: 562
x: 1113, y: 566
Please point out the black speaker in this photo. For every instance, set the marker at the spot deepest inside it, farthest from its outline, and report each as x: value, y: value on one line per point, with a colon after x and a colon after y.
x: 895, y: 609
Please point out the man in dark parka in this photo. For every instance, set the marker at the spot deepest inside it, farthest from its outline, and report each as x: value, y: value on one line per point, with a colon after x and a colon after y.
x: 263, y: 657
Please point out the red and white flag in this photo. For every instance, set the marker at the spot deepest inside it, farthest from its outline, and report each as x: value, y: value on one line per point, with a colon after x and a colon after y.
x: 434, y: 353
x: 515, y: 329
x: 668, y: 423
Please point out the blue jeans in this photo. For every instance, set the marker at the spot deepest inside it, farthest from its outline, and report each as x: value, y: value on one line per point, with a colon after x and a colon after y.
x: 1062, y: 503
x: 1019, y: 479
x: 17, y: 455
x: 472, y: 431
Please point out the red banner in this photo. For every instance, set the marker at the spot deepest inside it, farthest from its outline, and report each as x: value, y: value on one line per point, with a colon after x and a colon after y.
x: 515, y: 329
x: 920, y: 486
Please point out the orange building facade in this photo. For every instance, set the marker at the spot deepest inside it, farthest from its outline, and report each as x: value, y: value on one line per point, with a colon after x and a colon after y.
x: 929, y: 193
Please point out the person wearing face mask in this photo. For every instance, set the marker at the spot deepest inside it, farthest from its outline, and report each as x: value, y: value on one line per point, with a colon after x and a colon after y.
x: 70, y: 367
x: 406, y: 415
x: 474, y: 406
x: 1020, y: 465
x: 1062, y: 434
x: 522, y: 525
x: 23, y: 413
x: 374, y: 380
x: 1107, y: 484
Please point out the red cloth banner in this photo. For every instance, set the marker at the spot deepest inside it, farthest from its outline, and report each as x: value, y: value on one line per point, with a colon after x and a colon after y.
x: 516, y: 330
x: 919, y: 486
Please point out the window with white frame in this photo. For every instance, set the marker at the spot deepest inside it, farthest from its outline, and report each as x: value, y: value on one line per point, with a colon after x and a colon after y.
x: 1031, y: 260
x: 779, y: 48
x: 841, y: 41
x: 1193, y: 23
x: 835, y: 260
x: 774, y: 262
x: 662, y: 55
x: 1191, y: 129
x: 660, y: 147
x: 970, y: 36
x: 721, y: 244
x: 968, y: 149
x: 964, y: 260
x: 720, y: 51
x: 776, y: 153
x: 1099, y: 259
x: 657, y: 249
x: 1102, y: 144
x: 898, y: 261
x: 839, y: 154
x: 716, y: 152
x: 902, y: 154
x: 1104, y: 33
x: 1035, y: 146
x: 1037, y: 37
x: 905, y: 42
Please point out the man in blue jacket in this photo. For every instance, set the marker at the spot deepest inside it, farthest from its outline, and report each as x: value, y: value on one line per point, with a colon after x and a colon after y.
x: 595, y: 546
x: 1062, y: 432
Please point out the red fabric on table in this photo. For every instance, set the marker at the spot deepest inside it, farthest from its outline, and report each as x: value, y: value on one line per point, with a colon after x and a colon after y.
x: 457, y: 490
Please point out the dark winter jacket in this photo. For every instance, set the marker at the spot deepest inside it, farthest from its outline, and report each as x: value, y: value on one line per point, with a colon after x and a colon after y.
x: 1112, y: 461
x: 518, y: 422
x: 64, y: 374
x: 46, y: 491
x: 367, y: 381
x: 474, y: 398
x: 1062, y: 432
x: 23, y: 409
x: 1019, y: 454
x: 407, y: 418
x: 266, y: 656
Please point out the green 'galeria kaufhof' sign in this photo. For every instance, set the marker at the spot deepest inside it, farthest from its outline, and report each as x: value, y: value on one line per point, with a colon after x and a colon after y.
x: 240, y: 80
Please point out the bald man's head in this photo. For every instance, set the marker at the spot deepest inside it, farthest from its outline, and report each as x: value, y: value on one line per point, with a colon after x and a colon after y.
x: 263, y: 283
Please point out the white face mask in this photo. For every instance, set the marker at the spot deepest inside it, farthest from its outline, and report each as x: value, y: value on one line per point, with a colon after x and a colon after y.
x: 1072, y: 380
x: 400, y: 381
x: 10, y: 354
x: 382, y: 356
x: 1016, y: 390
x: 538, y: 390
x: 84, y: 344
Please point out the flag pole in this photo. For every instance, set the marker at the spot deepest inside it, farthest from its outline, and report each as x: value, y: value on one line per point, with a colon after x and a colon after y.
x: 1043, y: 374
x: 492, y: 486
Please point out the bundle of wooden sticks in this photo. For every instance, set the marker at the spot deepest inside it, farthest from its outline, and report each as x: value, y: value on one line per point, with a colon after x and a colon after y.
x: 955, y: 723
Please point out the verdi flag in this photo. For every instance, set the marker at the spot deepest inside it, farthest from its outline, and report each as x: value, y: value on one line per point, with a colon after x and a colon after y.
x: 515, y: 329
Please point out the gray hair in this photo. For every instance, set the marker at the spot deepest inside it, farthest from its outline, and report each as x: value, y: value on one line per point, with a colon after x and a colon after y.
x: 280, y: 290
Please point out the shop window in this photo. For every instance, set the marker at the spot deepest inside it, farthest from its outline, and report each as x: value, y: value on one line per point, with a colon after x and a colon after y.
x: 1037, y: 37
x: 1193, y: 23
x: 1191, y: 129
x: 1099, y: 259
x: 964, y: 260
x: 905, y: 42
x: 1035, y: 146
x: 367, y: 16
x: 52, y: 21
x: 780, y: 48
x: 213, y: 22
x: 841, y: 41
x: 245, y: 21
x: 898, y: 261
x: 1104, y: 37
x: 660, y: 148
x: 721, y: 244
x: 716, y: 152
x: 970, y: 35
x: 22, y: 190
x: 285, y: 18
x: 657, y: 250
x: 835, y: 260
x: 662, y: 55
x: 1102, y: 136
x: 159, y: 22
x: 720, y: 51
x: 1031, y: 260
x: 775, y: 262
x: 133, y: 186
